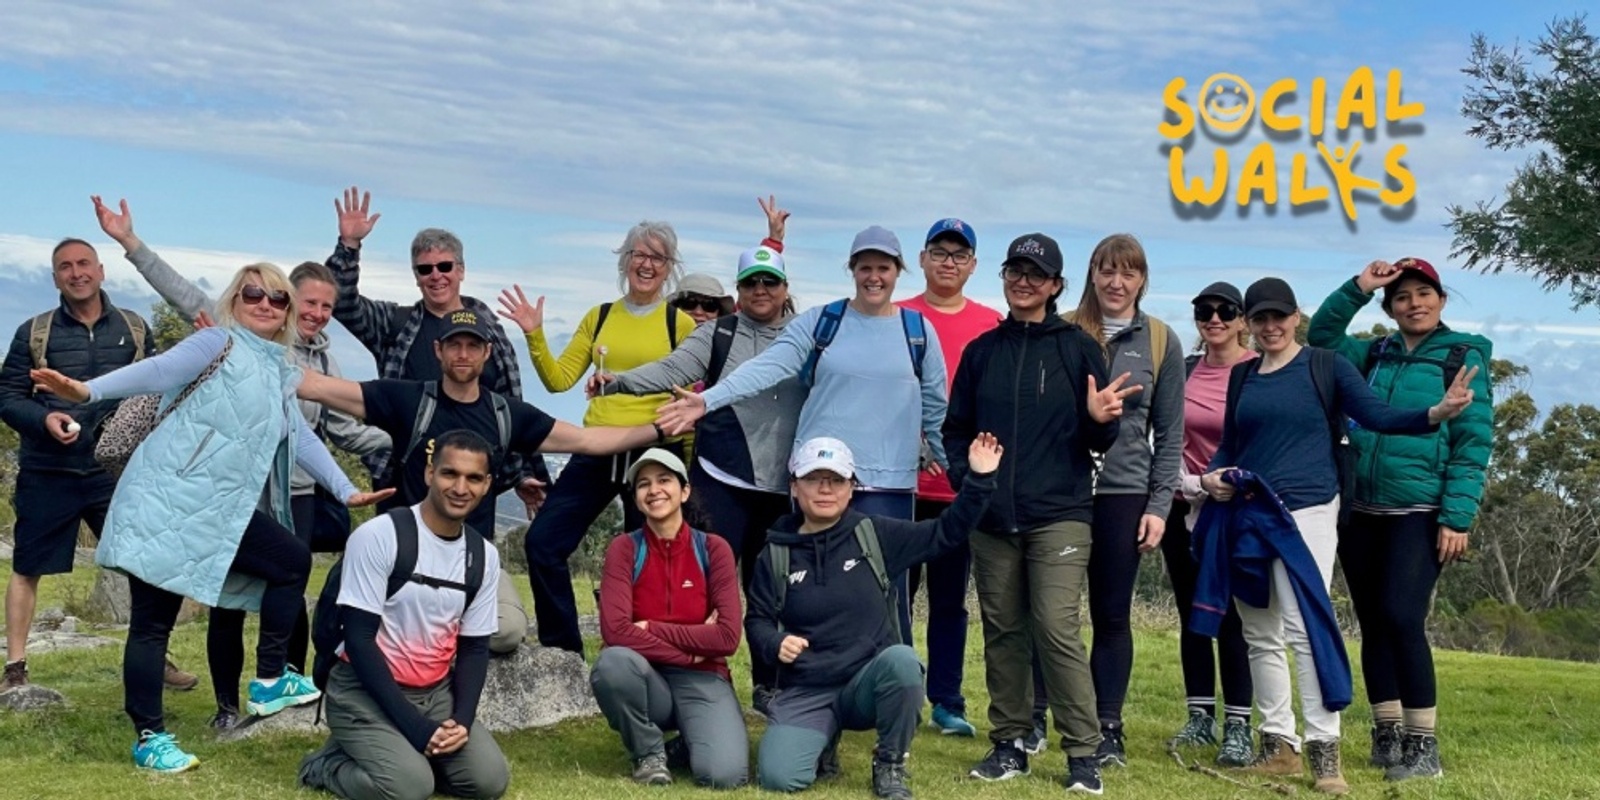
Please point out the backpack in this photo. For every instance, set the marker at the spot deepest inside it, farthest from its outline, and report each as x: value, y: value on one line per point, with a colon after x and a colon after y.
x: 867, y: 538
x: 828, y: 326
x: 701, y: 554
x: 672, y: 323
x: 327, y: 621
x: 39, y: 335
x: 1452, y: 364
x: 1189, y: 363
x: 1323, y: 377
x: 430, y: 404
x: 721, y: 343
x: 1158, y: 345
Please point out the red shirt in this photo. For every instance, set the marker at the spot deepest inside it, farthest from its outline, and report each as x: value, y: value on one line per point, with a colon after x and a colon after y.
x: 675, y: 598
x: 956, y: 330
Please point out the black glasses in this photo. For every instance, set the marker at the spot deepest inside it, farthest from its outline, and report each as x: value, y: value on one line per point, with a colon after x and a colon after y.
x: 444, y: 267
x: 959, y: 258
x: 253, y: 295
x: 1227, y: 312
x: 647, y: 258
x: 1034, y: 277
x: 768, y: 281
x: 695, y: 302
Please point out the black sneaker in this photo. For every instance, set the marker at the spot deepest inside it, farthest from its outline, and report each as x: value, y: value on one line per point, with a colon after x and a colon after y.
x: 1111, y: 752
x: 1386, y: 738
x: 1083, y: 775
x: 828, y: 766
x: 652, y: 770
x: 226, y: 717
x: 1036, y: 742
x: 761, y: 699
x: 889, y: 778
x: 677, y: 753
x: 1419, y: 758
x: 1238, y: 744
x: 1005, y: 761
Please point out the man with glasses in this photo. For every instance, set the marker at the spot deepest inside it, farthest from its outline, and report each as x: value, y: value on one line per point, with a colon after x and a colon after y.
x: 949, y: 259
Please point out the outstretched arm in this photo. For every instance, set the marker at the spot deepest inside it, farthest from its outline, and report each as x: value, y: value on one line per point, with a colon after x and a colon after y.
x: 188, y: 299
x: 335, y: 393
x: 600, y: 441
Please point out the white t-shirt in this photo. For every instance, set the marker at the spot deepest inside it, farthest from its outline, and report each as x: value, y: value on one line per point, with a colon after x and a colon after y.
x: 420, y: 623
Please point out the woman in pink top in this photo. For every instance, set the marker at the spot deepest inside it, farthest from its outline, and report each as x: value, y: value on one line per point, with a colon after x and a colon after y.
x: 1224, y: 341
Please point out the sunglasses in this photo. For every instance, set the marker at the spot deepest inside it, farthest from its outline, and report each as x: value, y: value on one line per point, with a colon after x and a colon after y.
x: 1227, y: 312
x: 768, y: 281
x: 252, y: 295
x: 444, y: 267
x: 697, y: 302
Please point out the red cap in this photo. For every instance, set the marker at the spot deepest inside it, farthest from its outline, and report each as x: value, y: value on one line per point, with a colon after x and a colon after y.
x: 1419, y: 269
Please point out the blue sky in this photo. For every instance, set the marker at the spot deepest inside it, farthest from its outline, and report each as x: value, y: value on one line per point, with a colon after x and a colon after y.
x: 539, y: 132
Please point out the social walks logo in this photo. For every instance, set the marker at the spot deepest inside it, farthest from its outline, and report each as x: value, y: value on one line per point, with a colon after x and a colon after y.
x: 1327, y: 161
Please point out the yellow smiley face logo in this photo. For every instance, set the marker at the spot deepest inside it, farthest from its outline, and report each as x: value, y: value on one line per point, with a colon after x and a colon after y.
x: 1226, y: 102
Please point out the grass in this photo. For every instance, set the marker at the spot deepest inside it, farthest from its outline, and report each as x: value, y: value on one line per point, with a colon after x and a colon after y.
x: 1514, y: 728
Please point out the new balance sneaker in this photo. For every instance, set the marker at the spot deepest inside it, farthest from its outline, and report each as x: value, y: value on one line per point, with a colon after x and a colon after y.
x: 176, y: 680
x: 159, y: 752
x: 1419, y: 758
x: 1238, y: 744
x: 652, y: 770
x: 1111, y: 752
x: 291, y: 689
x: 1005, y: 761
x: 1083, y: 775
x: 1035, y: 742
x: 16, y: 675
x: 1199, y: 731
x: 1386, y: 738
x: 952, y: 722
x: 1325, y: 769
x: 1276, y: 757
x: 889, y: 777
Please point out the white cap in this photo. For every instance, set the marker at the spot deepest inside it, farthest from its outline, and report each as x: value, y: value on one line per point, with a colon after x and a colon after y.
x: 823, y: 453
x: 656, y: 455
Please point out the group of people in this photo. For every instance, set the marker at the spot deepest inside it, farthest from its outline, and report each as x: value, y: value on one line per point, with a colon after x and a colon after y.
x: 766, y: 453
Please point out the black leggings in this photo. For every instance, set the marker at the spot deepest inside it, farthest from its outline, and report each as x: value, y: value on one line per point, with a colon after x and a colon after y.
x: 268, y: 551
x: 1113, y: 569
x: 1391, y: 563
x: 1195, y: 651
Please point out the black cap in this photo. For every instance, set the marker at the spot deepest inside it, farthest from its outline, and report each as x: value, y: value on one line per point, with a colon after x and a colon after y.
x: 1222, y: 289
x: 1036, y: 249
x: 1269, y: 294
x: 465, y: 322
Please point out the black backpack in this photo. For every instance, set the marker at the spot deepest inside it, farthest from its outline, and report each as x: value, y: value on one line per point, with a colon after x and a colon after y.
x: 1380, y: 350
x: 327, y: 621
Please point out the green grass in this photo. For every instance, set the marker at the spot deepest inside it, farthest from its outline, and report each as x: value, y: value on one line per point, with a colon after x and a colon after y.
x: 1514, y: 728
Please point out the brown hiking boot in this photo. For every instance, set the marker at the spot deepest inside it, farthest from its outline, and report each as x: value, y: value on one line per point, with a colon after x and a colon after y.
x: 16, y: 675
x: 1276, y: 757
x: 176, y: 679
x: 1324, y: 757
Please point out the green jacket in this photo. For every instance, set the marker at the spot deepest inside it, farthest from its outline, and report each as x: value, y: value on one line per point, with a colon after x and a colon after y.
x: 1445, y: 468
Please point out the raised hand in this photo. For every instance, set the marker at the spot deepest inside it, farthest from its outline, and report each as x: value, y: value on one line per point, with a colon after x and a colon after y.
x: 983, y: 455
x: 515, y: 307
x: 62, y: 427
x: 596, y: 384
x: 360, y: 499
x: 118, y: 226
x: 1456, y: 398
x: 680, y: 415
x: 48, y: 380
x: 1377, y: 275
x: 777, y: 218
x: 1106, y: 404
x: 354, y: 222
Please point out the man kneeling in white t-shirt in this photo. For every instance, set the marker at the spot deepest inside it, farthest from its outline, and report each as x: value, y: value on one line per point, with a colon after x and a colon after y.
x: 401, y: 718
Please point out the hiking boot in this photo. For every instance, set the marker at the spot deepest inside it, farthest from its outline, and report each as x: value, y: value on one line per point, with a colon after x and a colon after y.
x: 16, y: 675
x: 177, y: 680
x: 952, y: 722
x: 1111, y: 752
x: 828, y: 766
x: 291, y: 689
x: 1036, y: 742
x: 1238, y: 744
x: 159, y: 752
x: 1386, y: 738
x: 226, y: 717
x: 1324, y: 757
x: 1276, y: 757
x: 1083, y: 775
x: 677, y: 753
x: 1199, y: 731
x: 1419, y: 758
x: 1005, y: 761
x: 317, y: 769
x: 889, y: 777
x: 761, y: 699
x: 652, y: 770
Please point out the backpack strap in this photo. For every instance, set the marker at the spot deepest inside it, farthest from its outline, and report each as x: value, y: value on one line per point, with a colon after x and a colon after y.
x: 1322, y: 375
x: 502, y: 420
x: 697, y: 538
x: 1453, y: 362
x: 1236, y: 378
x: 137, y: 329
x: 916, y: 339
x: 672, y: 326
x: 721, y: 343
x: 1158, y: 347
x: 872, y: 549
x: 1189, y: 363
x: 405, y: 549
x: 600, y: 322
x: 425, y: 408
x: 638, y: 553
x: 822, y: 336
x: 39, y: 338
x: 477, y: 564
x: 778, y: 565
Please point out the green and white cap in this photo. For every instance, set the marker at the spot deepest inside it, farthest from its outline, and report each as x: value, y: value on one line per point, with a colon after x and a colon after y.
x: 761, y: 259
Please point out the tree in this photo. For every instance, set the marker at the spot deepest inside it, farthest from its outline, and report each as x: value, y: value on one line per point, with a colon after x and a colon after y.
x: 1549, y: 223
x: 167, y: 326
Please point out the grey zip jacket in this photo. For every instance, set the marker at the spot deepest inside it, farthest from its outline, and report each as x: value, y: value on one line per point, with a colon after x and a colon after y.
x: 1149, y: 451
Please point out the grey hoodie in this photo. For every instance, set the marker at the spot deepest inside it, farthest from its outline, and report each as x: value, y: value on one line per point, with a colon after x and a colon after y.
x: 1149, y: 451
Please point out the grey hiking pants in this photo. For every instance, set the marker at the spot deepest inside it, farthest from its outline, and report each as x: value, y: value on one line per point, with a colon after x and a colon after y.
x: 366, y: 758
x: 640, y: 700
x: 1030, y: 590
x: 886, y: 694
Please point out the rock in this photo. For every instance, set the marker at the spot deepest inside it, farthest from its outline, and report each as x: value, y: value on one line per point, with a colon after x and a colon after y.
x: 299, y: 719
x: 535, y: 687
x: 30, y: 697
x: 109, y: 600
x: 5, y: 551
x: 190, y: 611
x: 83, y: 557
x: 41, y: 641
x: 68, y: 625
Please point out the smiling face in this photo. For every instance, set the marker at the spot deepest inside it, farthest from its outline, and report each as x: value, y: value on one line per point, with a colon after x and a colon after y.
x: 1218, y: 335
x: 822, y: 496
x: 462, y: 358
x: 1226, y: 102
x: 313, y: 307
x: 1274, y: 331
x: 441, y: 290
x: 457, y: 480
x: 947, y: 263
x: 264, y: 317
x: 875, y: 274
x: 1028, y: 290
x: 648, y: 266
x: 1118, y: 286
x: 761, y: 296
x: 1415, y: 306
x: 78, y: 272
x: 659, y: 493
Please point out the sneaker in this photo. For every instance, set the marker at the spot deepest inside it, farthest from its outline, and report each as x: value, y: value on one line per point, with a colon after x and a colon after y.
x: 1386, y: 738
x: 1276, y: 757
x: 889, y: 778
x: 317, y: 768
x: 1199, y: 731
x: 677, y: 753
x: 292, y: 689
x: 828, y: 766
x: 1324, y: 757
x: 761, y: 699
x: 1419, y: 758
x: 1035, y: 742
x: 159, y: 752
x: 226, y: 717
x: 1005, y: 761
x: 16, y: 675
x: 1111, y: 752
x: 652, y: 770
x: 952, y: 722
x: 176, y: 679
x: 1238, y: 744
x: 1083, y: 775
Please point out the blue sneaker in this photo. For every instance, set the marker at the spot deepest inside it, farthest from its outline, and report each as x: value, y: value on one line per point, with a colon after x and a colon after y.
x: 292, y: 689
x: 951, y: 722
x: 159, y: 752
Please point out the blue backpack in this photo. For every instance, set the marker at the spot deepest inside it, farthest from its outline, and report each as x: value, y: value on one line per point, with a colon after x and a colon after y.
x: 697, y: 536
x: 828, y: 325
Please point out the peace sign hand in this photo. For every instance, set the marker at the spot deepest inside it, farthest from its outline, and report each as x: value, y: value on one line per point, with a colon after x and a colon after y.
x: 1105, y: 404
x: 1456, y: 399
x: 515, y: 307
x: 776, y: 217
x: 354, y: 222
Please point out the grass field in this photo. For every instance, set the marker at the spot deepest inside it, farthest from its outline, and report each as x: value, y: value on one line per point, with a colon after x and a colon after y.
x: 1513, y: 728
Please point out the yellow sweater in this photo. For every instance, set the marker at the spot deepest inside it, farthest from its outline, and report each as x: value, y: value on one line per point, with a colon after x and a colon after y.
x: 630, y: 341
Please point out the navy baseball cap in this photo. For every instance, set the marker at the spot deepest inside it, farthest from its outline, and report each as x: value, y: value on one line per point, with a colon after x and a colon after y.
x: 954, y: 226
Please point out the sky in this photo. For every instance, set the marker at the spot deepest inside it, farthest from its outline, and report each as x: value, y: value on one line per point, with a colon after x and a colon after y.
x: 540, y: 132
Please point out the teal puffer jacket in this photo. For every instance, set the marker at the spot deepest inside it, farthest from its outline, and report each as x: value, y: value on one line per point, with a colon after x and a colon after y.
x: 1445, y: 468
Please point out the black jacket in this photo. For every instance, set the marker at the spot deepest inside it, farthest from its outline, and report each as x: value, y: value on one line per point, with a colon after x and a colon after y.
x: 1027, y: 383
x: 77, y: 351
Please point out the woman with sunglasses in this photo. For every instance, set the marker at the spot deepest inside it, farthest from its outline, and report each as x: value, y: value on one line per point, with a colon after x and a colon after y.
x: 702, y: 297
x: 203, y: 510
x: 1224, y: 342
x: 1415, y: 497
